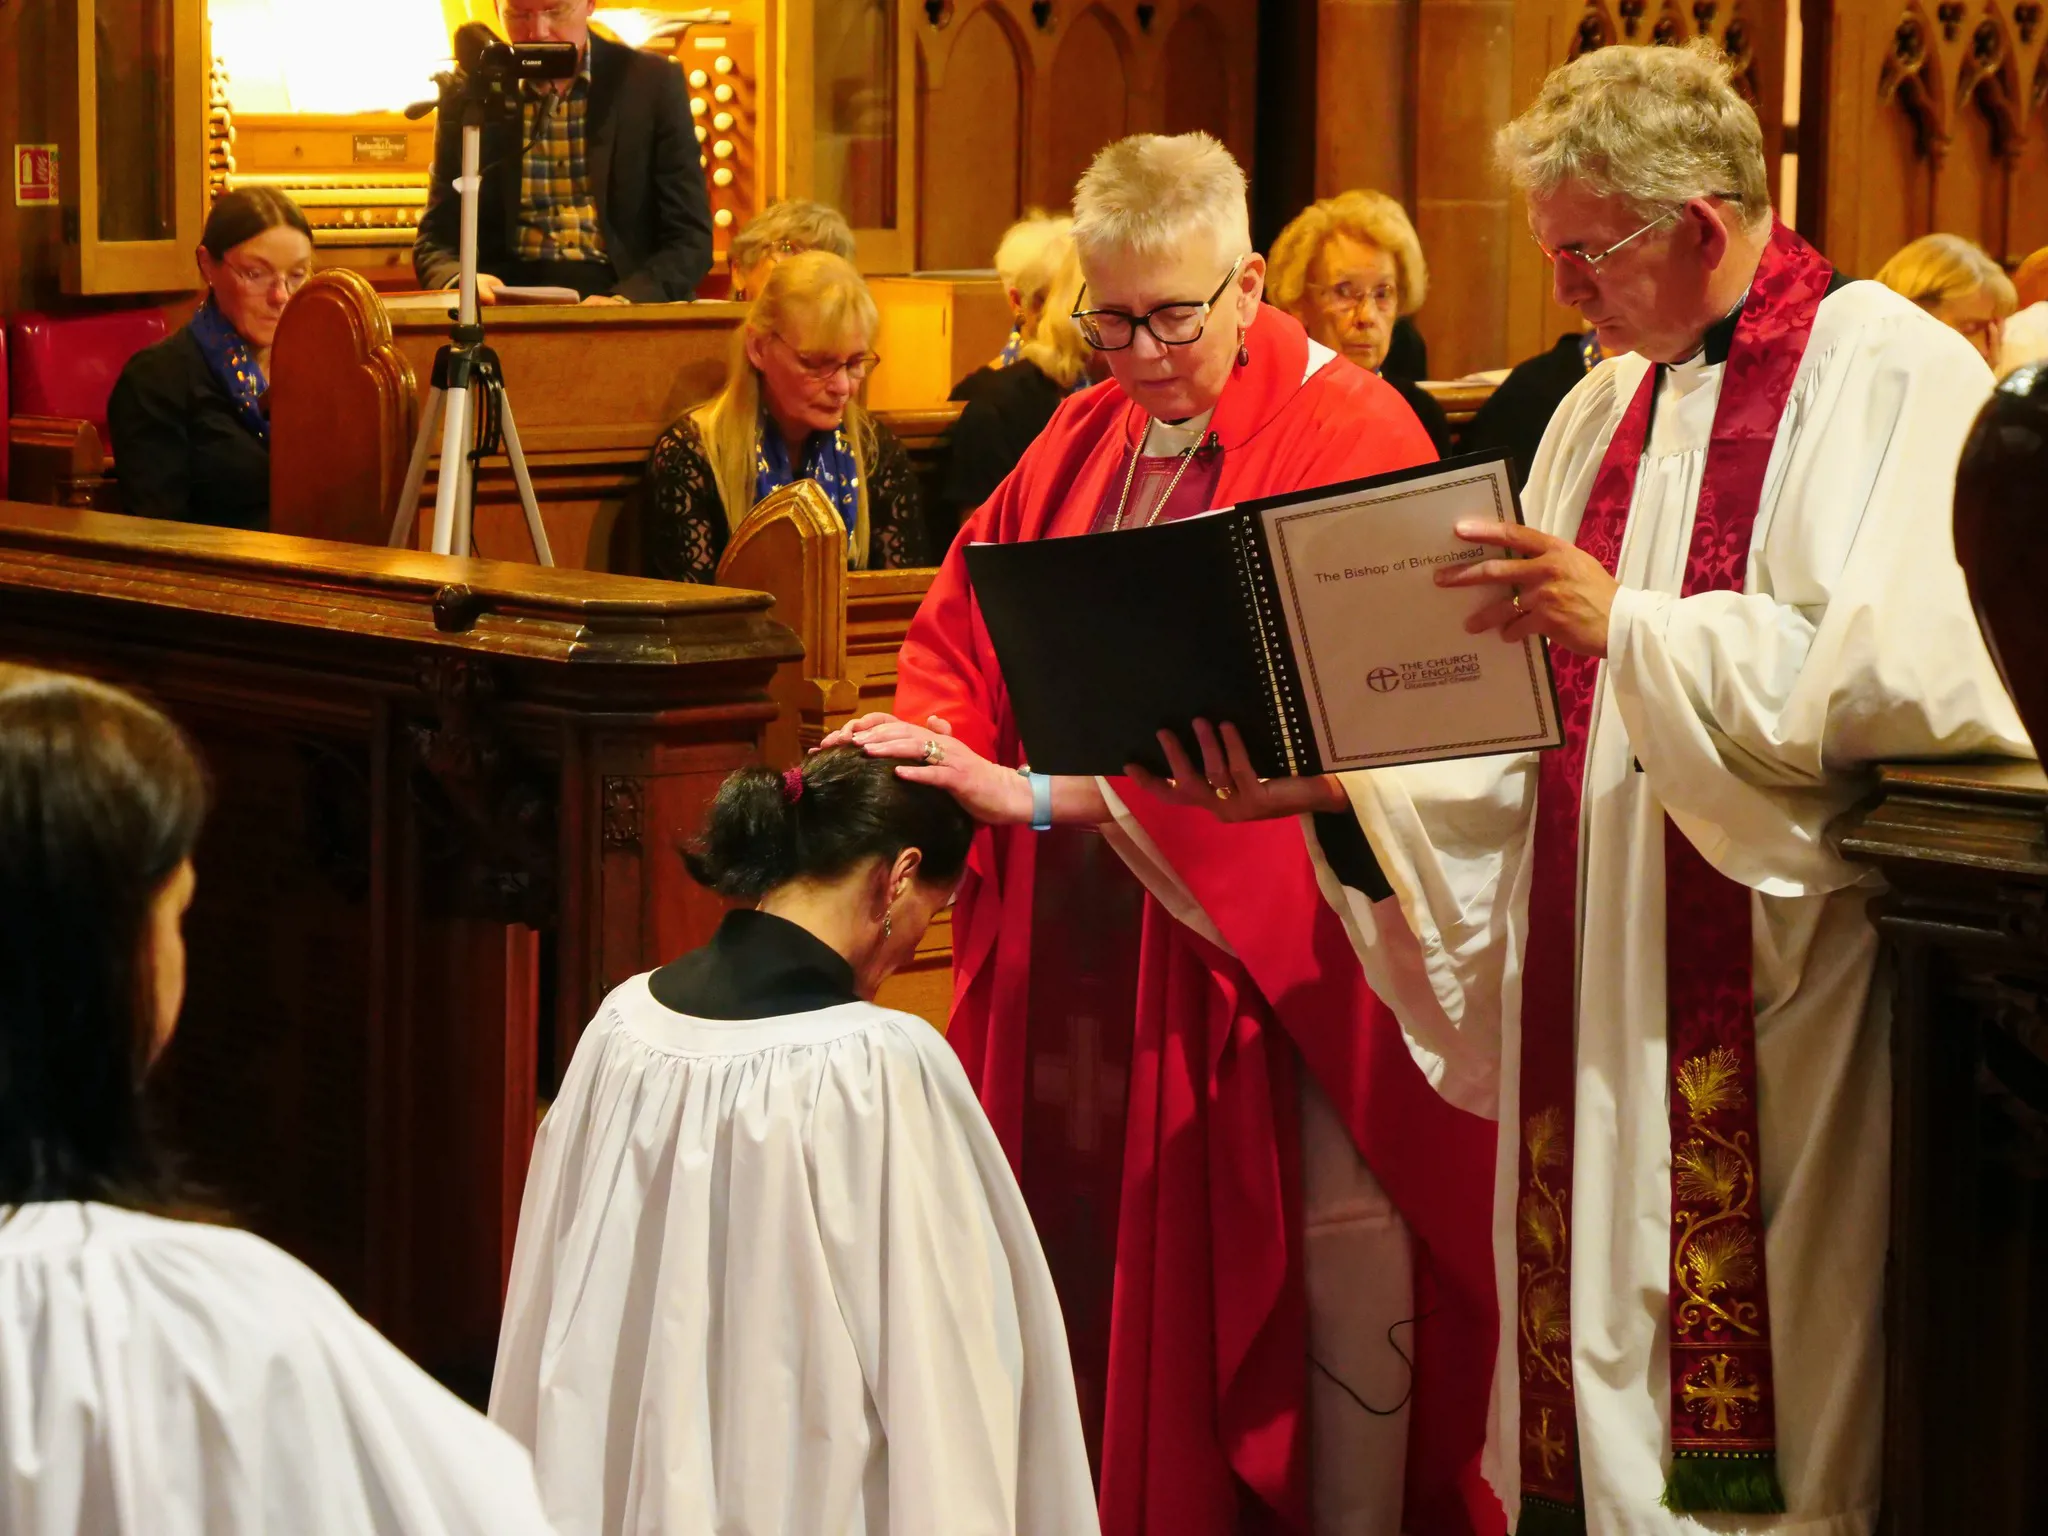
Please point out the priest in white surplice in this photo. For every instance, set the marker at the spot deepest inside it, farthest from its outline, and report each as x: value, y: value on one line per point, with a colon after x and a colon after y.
x: 1738, y: 545
x: 774, y: 1276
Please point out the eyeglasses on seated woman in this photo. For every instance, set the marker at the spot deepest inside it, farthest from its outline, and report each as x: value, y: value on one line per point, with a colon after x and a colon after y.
x: 789, y: 410
x: 163, y: 1373
x: 188, y: 418
x: 767, y: 1226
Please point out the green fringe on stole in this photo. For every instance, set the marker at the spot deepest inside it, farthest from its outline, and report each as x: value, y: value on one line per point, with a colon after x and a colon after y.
x: 1541, y: 1517
x: 1737, y: 1483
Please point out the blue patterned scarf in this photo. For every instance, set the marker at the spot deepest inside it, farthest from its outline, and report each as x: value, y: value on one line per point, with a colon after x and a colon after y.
x: 232, y: 361
x: 829, y: 459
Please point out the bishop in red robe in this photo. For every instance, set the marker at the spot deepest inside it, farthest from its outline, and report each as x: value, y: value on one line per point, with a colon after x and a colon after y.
x: 1156, y: 1051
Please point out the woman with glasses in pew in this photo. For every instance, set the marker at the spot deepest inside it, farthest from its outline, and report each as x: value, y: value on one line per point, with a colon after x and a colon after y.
x: 188, y: 417
x: 162, y: 1374
x: 788, y: 412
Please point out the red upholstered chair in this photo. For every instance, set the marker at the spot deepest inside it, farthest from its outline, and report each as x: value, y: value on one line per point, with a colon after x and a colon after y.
x: 61, y: 371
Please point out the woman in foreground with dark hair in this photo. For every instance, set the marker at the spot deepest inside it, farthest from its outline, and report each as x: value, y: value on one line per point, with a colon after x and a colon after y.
x: 157, y: 1375
x: 773, y: 1272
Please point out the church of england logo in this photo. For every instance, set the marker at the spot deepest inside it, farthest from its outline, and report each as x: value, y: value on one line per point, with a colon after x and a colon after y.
x: 1383, y: 679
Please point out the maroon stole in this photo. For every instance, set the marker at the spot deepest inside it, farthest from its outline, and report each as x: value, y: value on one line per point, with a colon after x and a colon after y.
x: 1723, y: 1437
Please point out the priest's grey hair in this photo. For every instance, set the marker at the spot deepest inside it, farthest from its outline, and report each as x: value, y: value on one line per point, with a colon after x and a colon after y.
x: 1148, y: 195
x: 1655, y: 125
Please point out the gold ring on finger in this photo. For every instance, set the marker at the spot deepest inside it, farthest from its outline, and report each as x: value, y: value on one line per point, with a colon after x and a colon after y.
x: 1226, y: 791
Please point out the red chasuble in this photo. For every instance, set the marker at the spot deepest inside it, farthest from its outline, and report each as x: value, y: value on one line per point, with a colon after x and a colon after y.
x: 1205, y: 1430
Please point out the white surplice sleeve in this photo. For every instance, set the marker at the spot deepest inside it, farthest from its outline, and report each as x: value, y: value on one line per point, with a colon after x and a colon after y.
x: 946, y: 1295
x: 165, y: 1378
x: 1855, y: 641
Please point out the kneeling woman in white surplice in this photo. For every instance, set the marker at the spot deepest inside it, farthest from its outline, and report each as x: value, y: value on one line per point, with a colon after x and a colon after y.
x: 160, y: 1376
x: 774, y: 1276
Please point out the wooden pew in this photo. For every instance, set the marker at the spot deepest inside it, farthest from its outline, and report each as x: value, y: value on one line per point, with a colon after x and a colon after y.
x: 1461, y: 399
x: 792, y: 545
x: 448, y: 799
x: 1964, y: 851
x: 591, y: 389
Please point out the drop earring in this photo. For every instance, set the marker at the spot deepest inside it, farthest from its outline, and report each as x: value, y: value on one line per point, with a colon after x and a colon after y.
x: 1244, y: 353
x: 888, y: 924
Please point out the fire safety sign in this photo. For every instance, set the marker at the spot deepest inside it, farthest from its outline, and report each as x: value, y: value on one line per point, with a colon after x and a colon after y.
x: 35, y: 175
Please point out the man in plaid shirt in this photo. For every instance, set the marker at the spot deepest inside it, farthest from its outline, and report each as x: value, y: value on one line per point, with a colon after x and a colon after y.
x: 598, y: 188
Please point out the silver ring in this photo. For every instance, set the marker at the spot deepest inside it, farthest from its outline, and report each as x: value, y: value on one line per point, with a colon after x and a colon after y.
x: 934, y: 754
x: 1516, y: 601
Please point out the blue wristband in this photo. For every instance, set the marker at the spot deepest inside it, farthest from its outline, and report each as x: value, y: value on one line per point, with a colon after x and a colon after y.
x: 1041, y: 799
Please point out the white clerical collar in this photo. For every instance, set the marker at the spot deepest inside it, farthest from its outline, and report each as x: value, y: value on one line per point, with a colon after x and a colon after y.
x: 1165, y: 439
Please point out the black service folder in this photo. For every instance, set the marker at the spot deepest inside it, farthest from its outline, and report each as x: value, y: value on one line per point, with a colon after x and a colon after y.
x: 1309, y: 621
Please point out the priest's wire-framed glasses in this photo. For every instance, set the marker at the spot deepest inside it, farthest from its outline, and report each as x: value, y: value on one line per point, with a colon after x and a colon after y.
x: 1171, y: 325
x: 1589, y: 262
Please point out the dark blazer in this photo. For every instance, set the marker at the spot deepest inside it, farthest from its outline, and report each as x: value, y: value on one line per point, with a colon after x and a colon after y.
x: 1516, y: 415
x: 646, y: 169
x: 1427, y: 411
x: 180, y: 450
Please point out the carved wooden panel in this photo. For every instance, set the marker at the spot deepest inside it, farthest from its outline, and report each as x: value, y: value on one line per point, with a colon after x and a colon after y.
x: 971, y: 144
x: 1087, y: 74
x: 1197, y: 77
x: 1933, y: 113
x: 1092, y: 82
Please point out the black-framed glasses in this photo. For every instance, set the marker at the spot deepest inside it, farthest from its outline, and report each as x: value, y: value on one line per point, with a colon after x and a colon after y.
x: 1171, y: 325
x: 821, y: 368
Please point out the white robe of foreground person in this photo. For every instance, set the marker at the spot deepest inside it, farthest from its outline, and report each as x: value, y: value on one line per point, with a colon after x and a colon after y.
x: 169, y: 1378
x: 774, y: 1277
x: 1751, y: 717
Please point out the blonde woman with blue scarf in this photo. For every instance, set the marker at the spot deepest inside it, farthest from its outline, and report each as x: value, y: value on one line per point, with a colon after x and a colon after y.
x: 788, y: 411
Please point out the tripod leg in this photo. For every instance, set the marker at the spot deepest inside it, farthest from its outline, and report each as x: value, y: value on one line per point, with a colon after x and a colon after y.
x: 455, y: 438
x: 534, y: 527
x: 416, y: 473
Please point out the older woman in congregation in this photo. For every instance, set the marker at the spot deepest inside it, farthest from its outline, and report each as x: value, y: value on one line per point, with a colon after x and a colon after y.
x: 787, y: 228
x: 1348, y: 268
x: 1957, y: 283
x: 1012, y: 405
x: 1355, y: 1203
x: 788, y: 411
x: 190, y: 428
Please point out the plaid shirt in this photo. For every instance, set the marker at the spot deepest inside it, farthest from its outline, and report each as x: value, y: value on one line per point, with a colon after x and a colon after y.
x: 558, y: 207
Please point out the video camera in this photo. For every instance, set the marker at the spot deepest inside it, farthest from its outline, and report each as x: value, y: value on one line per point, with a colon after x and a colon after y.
x: 489, y: 71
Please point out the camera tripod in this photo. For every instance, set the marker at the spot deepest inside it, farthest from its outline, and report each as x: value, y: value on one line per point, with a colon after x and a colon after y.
x: 468, y: 399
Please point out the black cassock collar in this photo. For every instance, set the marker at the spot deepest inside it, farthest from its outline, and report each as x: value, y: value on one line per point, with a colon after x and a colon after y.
x: 757, y: 966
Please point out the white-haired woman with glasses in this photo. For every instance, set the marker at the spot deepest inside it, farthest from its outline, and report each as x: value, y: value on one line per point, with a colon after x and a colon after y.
x: 189, y: 424
x: 1241, y: 1233
x: 1348, y: 268
x: 788, y: 412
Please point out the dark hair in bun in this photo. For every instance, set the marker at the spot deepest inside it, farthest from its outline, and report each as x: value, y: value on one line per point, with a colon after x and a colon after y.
x: 763, y: 831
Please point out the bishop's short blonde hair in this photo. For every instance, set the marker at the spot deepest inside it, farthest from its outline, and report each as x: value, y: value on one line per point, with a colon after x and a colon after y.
x: 1940, y: 269
x: 1372, y: 218
x: 1150, y: 194
x: 1657, y: 126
